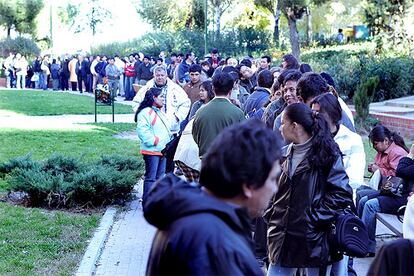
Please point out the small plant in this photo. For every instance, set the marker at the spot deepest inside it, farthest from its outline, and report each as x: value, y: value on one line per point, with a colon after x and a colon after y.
x: 362, y: 99
x: 65, y: 182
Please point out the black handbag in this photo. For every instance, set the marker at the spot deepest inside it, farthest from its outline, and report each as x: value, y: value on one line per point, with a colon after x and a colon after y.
x: 171, y: 147
x: 392, y: 185
x: 349, y: 235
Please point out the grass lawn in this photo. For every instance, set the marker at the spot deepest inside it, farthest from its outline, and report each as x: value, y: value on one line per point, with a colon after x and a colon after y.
x: 38, y: 103
x: 90, y: 143
x: 40, y: 242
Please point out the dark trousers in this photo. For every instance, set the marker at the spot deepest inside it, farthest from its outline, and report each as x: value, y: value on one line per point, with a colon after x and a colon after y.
x: 85, y: 82
x: 74, y: 85
x: 154, y: 169
x: 64, y: 82
x: 260, y: 240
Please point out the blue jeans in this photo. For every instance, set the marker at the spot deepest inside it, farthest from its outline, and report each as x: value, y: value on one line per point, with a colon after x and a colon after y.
x: 362, y: 197
x: 154, y: 169
x: 371, y: 208
x: 277, y: 270
x: 340, y: 268
x: 128, y: 88
x: 42, y: 81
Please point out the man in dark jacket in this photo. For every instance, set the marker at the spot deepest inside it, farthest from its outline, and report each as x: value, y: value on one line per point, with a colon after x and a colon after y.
x: 261, y: 94
x: 206, y: 231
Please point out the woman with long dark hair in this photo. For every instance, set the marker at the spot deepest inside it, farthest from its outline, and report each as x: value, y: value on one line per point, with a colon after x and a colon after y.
x: 153, y: 131
x: 313, y: 189
x: 206, y: 95
x: 390, y: 149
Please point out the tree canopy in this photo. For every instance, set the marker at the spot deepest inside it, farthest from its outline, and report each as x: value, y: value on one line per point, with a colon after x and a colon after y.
x: 20, y: 15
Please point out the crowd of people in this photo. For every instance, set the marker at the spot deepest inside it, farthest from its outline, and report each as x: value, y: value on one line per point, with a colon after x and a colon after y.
x: 231, y: 165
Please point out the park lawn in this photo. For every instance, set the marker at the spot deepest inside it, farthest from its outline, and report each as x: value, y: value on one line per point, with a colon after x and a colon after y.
x: 89, y: 143
x: 41, y: 242
x: 40, y: 103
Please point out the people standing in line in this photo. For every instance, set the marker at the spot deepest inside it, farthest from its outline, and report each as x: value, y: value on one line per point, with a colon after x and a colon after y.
x: 54, y: 71
x: 8, y: 69
x: 144, y: 71
x: 261, y: 93
x: 89, y: 76
x: 112, y: 73
x: 313, y: 189
x: 36, y: 71
x: 73, y: 78
x: 121, y: 65
x: 100, y: 69
x: 206, y: 95
x: 82, y: 67
x: 214, y: 59
x: 154, y: 133
x: 207, y: 231
x: 220, y: 113
x: 184, y: 67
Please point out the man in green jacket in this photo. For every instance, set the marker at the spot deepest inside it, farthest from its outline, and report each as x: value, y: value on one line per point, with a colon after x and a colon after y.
x: 218, y: 114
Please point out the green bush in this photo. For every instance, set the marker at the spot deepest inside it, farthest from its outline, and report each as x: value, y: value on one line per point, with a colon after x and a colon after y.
x: 64, y: 182
x: 349, y: 67
x: 363, y: 97
x: 24, y: 46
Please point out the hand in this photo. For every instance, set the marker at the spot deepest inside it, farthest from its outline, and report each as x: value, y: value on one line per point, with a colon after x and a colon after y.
x: 411, y: 153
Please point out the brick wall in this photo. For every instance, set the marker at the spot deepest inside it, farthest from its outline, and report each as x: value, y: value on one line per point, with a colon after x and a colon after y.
x: 399, y: 124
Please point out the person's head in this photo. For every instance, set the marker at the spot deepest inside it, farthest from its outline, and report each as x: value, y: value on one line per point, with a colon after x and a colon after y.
x: 310, y: 86
x: 290, y: 82
x: 206, y: 91
x: 232, y: 71
x: 304, y: 68
x: 276, y: 72
x: 153, y: 60
x: 300, y: 123
x: 289, y: 62
x: 162, y: 55
x: 381, y: 138
x: 159, y: 61
x: 54, y: 61
x: 246, y: 72
x: 231, y: 62
x: 180, y: 57
x: 222, y: 84
x: 265, y: 79
x: 111, y: 60
x: 153, y: 97
x: 131, y: 58
x: 242, y: 166
x: 214, y: 54
x: 329, y: 105
x: 173, y: 57
x: 276, y: 91
x: 247, y: 62
x: 328, y: 79
x: 146, y: 59
x: 340, y: 30
x: 195, y: 73
x: 160, y: 75
x: 265, y: 62
x: 190, y: 57
x: 205, y: 65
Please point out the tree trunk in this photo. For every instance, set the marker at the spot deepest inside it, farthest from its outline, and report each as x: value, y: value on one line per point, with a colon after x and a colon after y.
x: 217, y: 17
x: 276, y: 28
x: 8, y: 32
x: 308, y: 26
x: 294, y: 37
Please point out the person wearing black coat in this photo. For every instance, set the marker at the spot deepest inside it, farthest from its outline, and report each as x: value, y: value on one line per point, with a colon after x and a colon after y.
x: 313, y: 190
x: 207, y: 231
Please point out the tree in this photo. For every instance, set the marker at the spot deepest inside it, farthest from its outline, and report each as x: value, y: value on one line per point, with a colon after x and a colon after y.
x: 20, y: 15
x: 274, y: 8
x: 87, y: 15
x: 219, y: 7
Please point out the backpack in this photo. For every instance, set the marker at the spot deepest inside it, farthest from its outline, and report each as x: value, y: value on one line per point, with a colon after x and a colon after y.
x: 256, y: 113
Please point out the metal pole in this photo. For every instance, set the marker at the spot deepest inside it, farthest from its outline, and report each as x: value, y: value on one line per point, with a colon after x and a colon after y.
x: 205, y: 27
x: 51, y: 25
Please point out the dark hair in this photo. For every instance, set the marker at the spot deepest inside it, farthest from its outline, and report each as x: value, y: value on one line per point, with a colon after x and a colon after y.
x: 214, y: 51
x: 160, y: 59
x: 195, y: 68
x: 292, y: 62
x: 246, y: 62
x: 173, y: 55
x: 275, y: 86
x: 265, y: 79
x: 328, y: 79
x: 147, y: 57
x: 205, y: 63
x: 329, y: 105
x: 324, y: 150
x: 180, y: 55
x: 188, y: 54
x: 284, y: 73
x: 148, y: 100
x: 311, y: 85
x: 295, y: 75
x: 232, y: 71
x: 223, y: 83
x: 208, y: 86
x: 380, y: 132
x: 268, y: 58
x: 304, y: 68
x: 243, y: 153
x: 222, y: 63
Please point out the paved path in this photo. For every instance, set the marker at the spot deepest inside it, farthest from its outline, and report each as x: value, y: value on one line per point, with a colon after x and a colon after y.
x: 129, y: 243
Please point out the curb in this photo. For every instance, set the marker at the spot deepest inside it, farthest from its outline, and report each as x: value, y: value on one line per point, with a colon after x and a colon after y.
x: 96, y: 245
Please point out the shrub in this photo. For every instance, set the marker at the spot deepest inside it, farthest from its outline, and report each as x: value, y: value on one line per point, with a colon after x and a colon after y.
x: 363, y: 97
x: 20, y: 45
x: 68, y: 182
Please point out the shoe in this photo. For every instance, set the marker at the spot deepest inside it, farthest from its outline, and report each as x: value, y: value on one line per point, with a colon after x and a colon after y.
x: 119, y: 94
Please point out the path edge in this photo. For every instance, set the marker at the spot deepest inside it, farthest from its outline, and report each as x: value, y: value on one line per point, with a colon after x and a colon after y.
x: 93, y: 251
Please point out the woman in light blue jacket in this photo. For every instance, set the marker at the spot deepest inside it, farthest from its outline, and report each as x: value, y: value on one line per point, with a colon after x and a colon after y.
x: 153, y: 131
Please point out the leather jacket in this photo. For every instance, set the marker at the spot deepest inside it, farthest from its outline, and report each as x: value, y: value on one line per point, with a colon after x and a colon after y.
x: 301, y: 214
